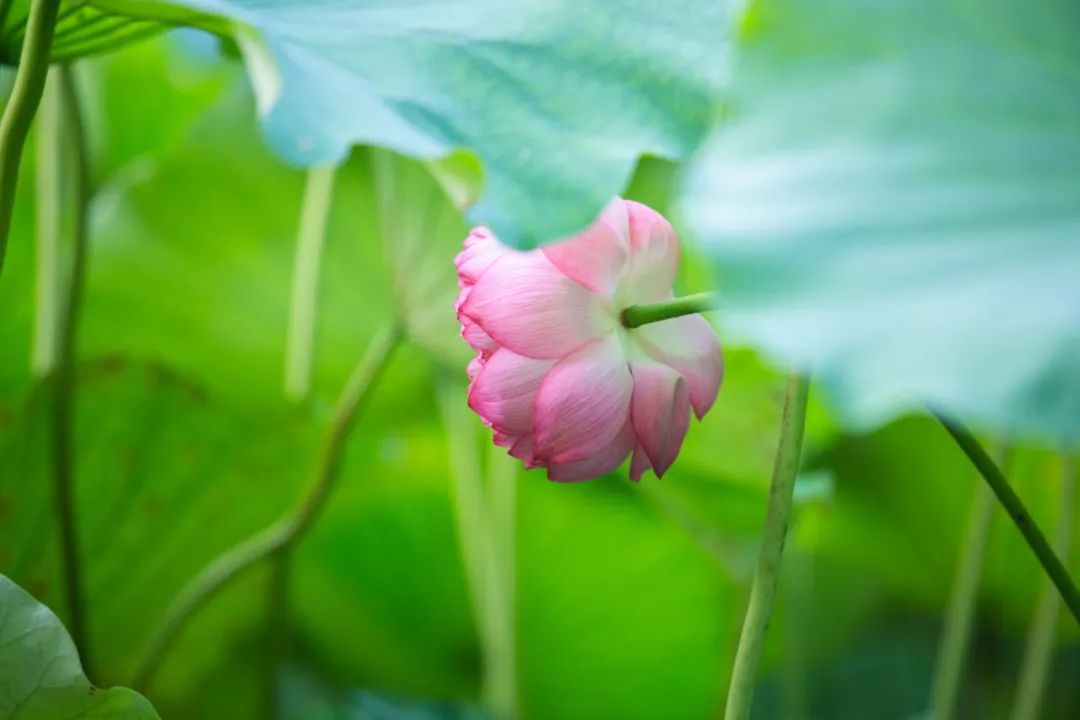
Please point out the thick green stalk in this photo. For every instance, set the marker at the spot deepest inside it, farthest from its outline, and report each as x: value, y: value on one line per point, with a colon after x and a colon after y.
x: 956, y: 634
x: 485, y: 525
x: 300, y: 342
x: 638, y: 315
x: 767, y: 574
x: 64, y: 380
x: 1040, y: 641
x: 1019, y: 514
x: 23, y: 103
x: 286, y: 532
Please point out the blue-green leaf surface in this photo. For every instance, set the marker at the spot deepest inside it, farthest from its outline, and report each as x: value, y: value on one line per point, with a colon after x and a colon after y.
x: 557, y: 97
x: 895, y: 203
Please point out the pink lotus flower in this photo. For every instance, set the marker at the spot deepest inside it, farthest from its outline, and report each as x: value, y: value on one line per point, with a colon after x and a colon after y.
x: 559, y: 379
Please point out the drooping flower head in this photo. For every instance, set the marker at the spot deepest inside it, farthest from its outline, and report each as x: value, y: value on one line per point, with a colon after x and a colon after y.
x: 558, y: 378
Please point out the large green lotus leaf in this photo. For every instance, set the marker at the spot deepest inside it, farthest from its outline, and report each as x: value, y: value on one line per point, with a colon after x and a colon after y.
x: 895, y: 204
x: 40, y: 674
x: 557, y: 98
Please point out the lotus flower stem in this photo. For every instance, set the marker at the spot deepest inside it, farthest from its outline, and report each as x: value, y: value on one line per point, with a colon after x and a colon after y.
x: 638, y: 315
x: 23, y: 103
x: 956, y: 634
x: 1040, y: 642
x: 767, y: 574
x: 63, y: 374
x: 287, y: 531
x: 300, y: 341
x: 1019, y: 514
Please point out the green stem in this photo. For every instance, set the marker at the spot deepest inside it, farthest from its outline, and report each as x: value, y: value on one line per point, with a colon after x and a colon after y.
x: 65, y: 380
x: 49, y: 210
x: 1019, y: 514
x: 1040, y: 641
x: 300, y: 341
x: 956, y: 633
x: 19, y: 112
x: 767, y: 574
x: 277, y: 628
x: 501, y: 546
x: 638, y: 315
x: 798, y: 615
x: 287, y: 531
x: 468, y: 491
x: 485, y: 526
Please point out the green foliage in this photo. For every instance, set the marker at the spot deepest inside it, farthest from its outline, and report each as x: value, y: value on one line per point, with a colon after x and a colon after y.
x: 629, y: 597
x: 185, y: 444
x: 42, y: 679
x: 80, y: 30
x: 893, y: 203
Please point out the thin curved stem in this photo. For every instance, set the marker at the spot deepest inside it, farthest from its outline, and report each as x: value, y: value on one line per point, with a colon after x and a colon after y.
x: 1040, y: 641
x: 286, y: 532
x: 63, y: 407
x: 767, y: 574
x: 300, y: 341
x: 638, y: 315
x: 1019, y: 514
x: 19, y: 112
x: 956, y: 634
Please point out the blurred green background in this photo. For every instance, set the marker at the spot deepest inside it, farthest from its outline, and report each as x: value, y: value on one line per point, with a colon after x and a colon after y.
x: 628, y: 599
